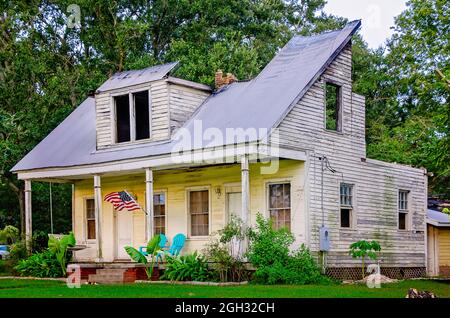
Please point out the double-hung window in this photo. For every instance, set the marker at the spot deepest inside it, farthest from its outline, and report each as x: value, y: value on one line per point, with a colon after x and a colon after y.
x: 280, y: 205
x: 346, y: 205
x: 403, y: 209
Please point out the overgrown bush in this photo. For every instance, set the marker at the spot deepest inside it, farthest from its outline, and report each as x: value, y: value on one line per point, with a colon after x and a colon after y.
x: 52, y: 262
x: 42, y: 264
x: 275, y: 264
x: 224, y: 253
x: 191, y: 267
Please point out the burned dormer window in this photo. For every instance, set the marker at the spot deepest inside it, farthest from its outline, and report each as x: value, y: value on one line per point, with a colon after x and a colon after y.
x: 333, y: 107
x: 132, y: 116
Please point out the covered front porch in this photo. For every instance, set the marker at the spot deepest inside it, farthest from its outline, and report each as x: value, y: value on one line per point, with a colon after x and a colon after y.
x: 195, y: 200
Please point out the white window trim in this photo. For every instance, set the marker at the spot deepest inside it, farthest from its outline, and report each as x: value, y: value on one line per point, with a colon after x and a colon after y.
x: 85, y: 221
x: 353, y: 212
x: 132, y: 109
x: 188, y: 213
x: 267, y: 203
x: 407, y: 211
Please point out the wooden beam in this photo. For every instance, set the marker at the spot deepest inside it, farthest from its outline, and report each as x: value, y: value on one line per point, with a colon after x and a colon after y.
x: 98, y: 215
x: 149, y: 202
x: 28, y: 216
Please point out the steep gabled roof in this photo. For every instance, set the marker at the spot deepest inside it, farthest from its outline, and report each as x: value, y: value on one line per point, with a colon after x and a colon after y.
x: 259, y: 103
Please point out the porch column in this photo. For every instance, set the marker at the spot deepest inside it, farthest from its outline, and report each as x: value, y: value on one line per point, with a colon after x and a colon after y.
x: 149, y: 201
x: 245, y: 184
x: 28, y: 216
x: 98, y: 215
x: 245, y: 189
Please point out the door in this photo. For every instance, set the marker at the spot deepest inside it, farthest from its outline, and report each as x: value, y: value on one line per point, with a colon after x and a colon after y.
x: 234, y: 204
x: 234, y: 208
x: 124, y: 233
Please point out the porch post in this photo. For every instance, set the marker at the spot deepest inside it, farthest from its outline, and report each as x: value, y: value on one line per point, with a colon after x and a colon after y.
x: 98, y: 215
x: 149, y: 201
x: 245, y: 196
x: 28, y: 216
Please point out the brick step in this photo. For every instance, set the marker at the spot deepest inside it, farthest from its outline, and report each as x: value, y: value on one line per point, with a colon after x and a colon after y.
x: 110, y: 271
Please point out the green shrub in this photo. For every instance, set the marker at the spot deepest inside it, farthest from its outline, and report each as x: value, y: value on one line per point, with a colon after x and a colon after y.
x: 224, y: 253
x: 191, y: 267
x: 275, y: 264
x: 52, y: 262
x: 42, y: 264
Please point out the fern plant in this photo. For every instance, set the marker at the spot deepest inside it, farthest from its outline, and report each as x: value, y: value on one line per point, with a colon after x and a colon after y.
x: 192, y: 267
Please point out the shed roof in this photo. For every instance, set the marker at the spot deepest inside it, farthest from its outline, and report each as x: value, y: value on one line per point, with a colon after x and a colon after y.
x: 259, y: 103
x: 437, y: 218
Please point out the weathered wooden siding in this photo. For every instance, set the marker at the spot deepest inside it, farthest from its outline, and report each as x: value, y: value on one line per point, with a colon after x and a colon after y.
x: 183, y: 102
x: 159, y: 95
x: 376, y: 183
x: 175, y: 184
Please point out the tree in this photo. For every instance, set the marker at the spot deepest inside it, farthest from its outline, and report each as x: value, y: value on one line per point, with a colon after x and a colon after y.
x: 363, y: 249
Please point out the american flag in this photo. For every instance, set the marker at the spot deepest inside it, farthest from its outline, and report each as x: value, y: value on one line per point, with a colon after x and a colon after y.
x: 122, y: 200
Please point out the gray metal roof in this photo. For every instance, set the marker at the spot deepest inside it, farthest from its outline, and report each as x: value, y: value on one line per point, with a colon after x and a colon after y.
x: 438, y: 218
x: 258, y: 103
x: 135, y: 77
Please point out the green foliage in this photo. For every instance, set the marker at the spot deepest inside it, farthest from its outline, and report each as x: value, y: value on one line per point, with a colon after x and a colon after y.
x: 191, y: 267
x: 275, y: 264
x: 224, y: 253
x: 59, y: 247
x: 43, y: 264
x: 9, y: 235
x: 363, y: 249
x: 152, y: 250
x: 446, y: 211
x: 51, y: 262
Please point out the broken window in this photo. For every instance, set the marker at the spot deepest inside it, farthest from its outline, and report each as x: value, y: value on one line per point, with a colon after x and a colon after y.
x: 122, y: 118
x: 332, y: 106
x: 142, y: 113
x: 132, y: 120
x: 346, y: 202
x: 280, y: 205
x: 402, y: 209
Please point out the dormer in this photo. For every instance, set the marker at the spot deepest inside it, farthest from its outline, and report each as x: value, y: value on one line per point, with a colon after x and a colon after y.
x: 148, y: 105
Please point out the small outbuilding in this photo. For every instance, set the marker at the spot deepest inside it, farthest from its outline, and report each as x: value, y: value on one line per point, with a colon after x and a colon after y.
x: 438, y: 235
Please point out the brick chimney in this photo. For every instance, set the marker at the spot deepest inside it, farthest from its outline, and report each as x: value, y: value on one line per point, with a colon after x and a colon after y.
x: 221, y: 81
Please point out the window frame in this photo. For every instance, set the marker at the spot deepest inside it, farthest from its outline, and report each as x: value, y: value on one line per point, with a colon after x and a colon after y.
x: 351, y: 207
x: 339, y: 113
x: 188, y: 212
x: 159, y: 192
x: 268, y: 209
x: 403, y: 211
x: 85, y: 223
x: 132, y: 110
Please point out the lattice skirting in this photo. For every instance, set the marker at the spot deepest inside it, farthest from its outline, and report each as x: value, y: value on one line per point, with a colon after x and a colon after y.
x: 354, y: 273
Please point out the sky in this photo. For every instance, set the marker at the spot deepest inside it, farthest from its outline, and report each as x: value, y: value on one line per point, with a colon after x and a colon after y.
x: 377, y: 16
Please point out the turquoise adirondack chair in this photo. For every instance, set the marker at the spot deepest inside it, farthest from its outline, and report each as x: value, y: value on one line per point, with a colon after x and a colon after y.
x: 162, y: 244
x: 175, y: 248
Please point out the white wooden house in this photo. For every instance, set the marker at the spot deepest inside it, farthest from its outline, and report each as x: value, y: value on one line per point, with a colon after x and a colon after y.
x: 289, y: 144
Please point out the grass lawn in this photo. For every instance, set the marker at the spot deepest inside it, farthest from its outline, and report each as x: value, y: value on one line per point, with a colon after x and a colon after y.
x: 40, y: 288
